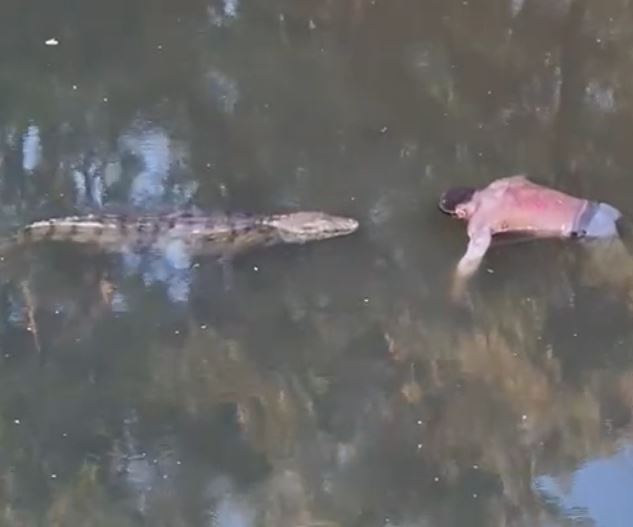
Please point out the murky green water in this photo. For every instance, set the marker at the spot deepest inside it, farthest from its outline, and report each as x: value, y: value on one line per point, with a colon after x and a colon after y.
x: 333, y: 384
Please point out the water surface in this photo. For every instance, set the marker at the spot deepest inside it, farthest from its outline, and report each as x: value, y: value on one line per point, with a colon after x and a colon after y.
x: 333, y: 384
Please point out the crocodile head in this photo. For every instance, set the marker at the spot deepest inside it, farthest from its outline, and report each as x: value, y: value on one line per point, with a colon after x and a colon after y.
x: 301, y: 227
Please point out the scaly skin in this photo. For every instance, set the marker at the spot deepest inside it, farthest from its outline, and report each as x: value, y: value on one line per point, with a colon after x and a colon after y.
x: 215, y: 234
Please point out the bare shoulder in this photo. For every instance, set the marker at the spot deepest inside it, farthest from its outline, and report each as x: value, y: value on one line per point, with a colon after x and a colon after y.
x: 509, y: 181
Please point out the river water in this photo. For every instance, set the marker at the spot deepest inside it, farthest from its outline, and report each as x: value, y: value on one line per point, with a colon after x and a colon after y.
x: 332, y: 384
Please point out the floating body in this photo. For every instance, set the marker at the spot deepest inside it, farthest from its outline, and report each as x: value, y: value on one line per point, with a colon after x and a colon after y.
x: 517, y: 206
x: 216, y: 234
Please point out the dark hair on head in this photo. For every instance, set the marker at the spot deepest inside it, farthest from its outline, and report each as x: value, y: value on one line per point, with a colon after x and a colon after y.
x: 453, y: 197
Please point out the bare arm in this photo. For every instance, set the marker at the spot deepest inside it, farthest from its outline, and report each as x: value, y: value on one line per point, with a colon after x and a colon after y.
x: 477, y: 247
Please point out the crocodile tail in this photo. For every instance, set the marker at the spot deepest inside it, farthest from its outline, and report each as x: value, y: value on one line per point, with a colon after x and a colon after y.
x: 31, y: 233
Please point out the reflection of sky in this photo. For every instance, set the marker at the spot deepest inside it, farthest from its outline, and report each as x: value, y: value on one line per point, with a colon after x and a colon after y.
x: 230, y: 8
x: 231, y: 512
x: 176, y: 280
x: 601, y: 97
x: 152, y: 148
x: 516, y: 6
x: 224, y: 90
x: 230, y: 509
x: 229, y: 12
x: 17, y: 310
x: 601, y: 490
x: 81, y: 192
x: 169, y: 265
x: 31, y: 148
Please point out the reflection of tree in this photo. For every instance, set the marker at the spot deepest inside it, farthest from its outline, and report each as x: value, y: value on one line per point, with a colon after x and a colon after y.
x: 571, y: 87
x: 304, y: 409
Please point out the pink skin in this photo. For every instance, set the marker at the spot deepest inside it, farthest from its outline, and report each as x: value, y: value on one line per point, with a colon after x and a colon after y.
x: 513, y: 205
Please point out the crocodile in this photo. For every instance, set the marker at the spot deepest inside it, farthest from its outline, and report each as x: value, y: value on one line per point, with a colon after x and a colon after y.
x: 218, y: 234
